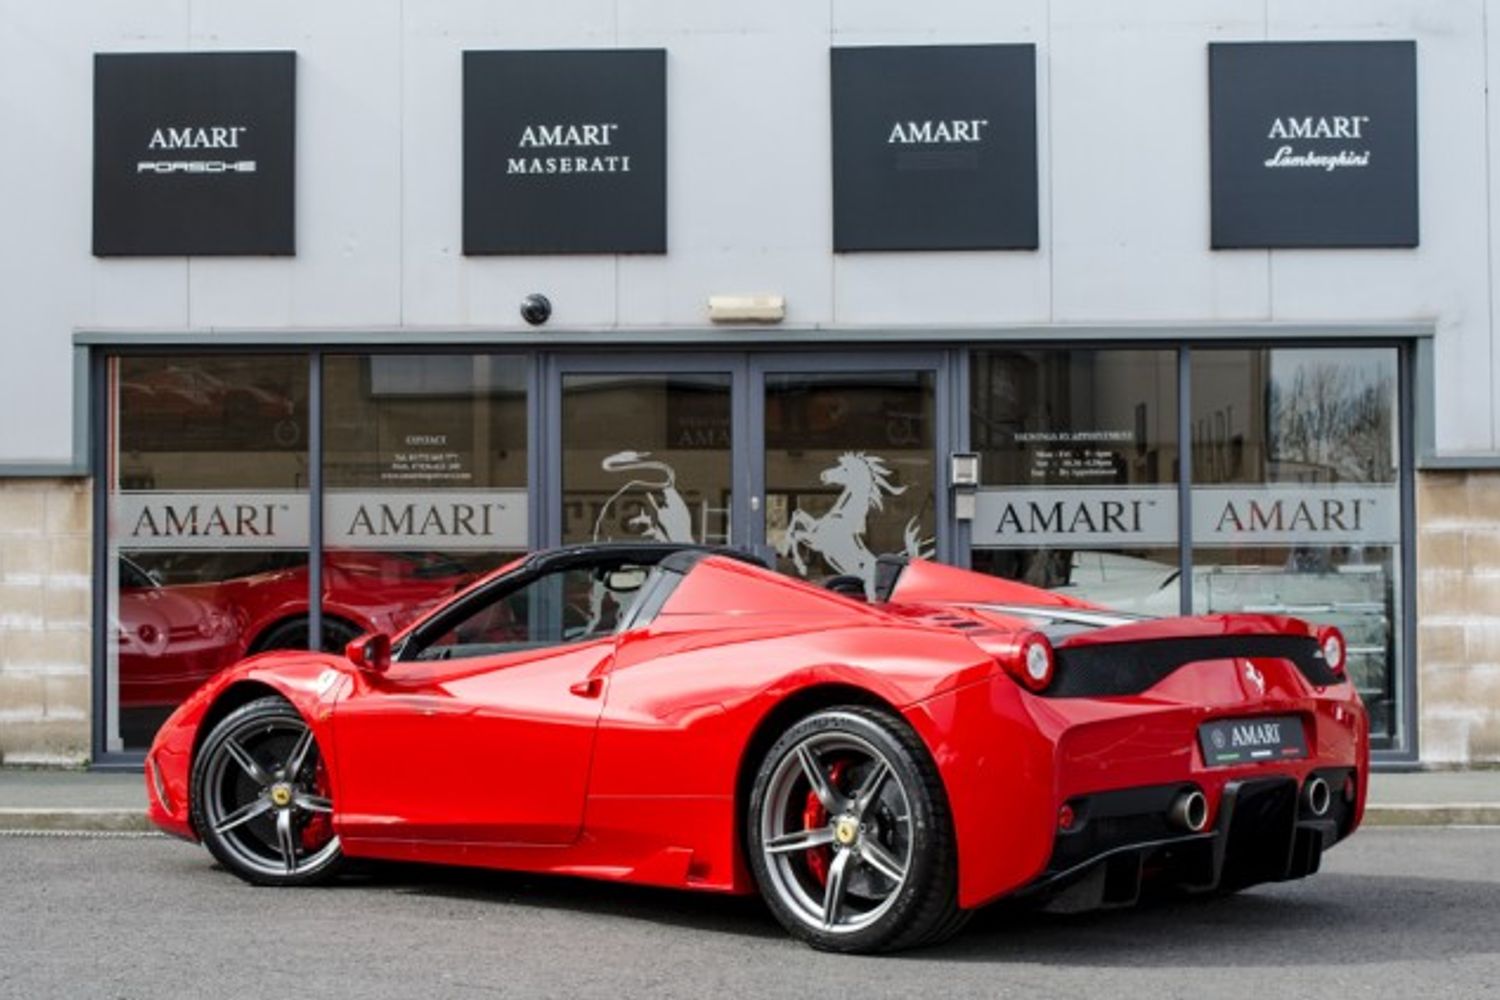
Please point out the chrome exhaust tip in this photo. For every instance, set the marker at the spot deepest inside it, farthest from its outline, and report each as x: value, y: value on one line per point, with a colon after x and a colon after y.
x: 1189, y: 811
x: 1317, y: 796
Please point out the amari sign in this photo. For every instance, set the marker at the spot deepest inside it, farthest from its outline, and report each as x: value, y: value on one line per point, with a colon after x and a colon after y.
x: 1288, y: 514
x: 389, y: 520
x: 1143, y: 517
x: 1076, y: 517
x: 1314, y: 144
x: 565, y: 152
x: 934, y: 148
x: 194, y: 153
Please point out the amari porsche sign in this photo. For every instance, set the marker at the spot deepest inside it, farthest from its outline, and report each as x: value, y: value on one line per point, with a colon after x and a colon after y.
x: 194, y: 153
x: 934, y: 148
x: 1314, y: 144
x: 565, y: 152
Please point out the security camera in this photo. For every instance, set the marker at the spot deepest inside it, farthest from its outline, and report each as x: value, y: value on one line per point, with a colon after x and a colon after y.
x: 536, y: 309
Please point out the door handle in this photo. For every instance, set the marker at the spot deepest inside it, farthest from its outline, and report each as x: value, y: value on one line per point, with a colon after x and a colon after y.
x: 590, y: 687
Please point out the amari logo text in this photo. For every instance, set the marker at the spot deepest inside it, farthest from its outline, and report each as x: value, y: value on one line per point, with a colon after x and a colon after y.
x: 166, y: 139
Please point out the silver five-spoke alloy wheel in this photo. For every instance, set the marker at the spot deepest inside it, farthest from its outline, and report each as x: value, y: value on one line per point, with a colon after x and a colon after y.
x: 262, y: 803
x: 836, y: 832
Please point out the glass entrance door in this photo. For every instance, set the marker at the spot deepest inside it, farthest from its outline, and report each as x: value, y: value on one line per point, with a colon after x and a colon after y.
x: 646, y: 449
x: 820, y: 463
x: 845, y: 462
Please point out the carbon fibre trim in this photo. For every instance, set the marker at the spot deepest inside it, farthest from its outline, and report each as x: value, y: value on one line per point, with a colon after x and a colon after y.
x: 1123, y: 668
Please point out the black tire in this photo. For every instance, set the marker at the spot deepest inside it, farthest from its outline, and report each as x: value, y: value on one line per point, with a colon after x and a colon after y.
x: 918, y: 908
x: 293, y: 634
x: 239, y: 814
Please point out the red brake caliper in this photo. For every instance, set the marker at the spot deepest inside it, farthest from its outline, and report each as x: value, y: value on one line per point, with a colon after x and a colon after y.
x: 318, y: 829
x: 814, y: 816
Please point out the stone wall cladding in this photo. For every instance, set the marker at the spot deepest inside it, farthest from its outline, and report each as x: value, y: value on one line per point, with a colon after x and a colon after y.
x: 44, y: 621
x: 1458, y: 617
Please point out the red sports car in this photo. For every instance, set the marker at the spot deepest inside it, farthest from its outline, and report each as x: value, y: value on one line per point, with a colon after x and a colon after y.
x: 681, y: 717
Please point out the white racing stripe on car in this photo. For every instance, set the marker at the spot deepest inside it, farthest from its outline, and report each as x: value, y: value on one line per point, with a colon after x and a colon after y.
x: 1098, y: 618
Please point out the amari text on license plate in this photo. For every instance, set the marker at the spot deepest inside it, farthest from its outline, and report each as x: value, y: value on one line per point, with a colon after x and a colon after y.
x: 1248, y: 741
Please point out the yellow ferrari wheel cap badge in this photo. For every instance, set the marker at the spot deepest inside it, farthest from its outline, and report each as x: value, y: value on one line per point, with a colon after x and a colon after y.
x: 845, y: 830
x: 281, y: 796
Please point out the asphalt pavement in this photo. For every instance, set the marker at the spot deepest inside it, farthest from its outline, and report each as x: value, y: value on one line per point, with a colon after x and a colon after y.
x: 1395, y: 913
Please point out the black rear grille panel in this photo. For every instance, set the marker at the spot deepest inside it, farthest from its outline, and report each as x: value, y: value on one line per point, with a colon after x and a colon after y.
x: 1121, y: 843
x: 1108, y: 820
x: 1123, y: 668
x: 1262, y: 826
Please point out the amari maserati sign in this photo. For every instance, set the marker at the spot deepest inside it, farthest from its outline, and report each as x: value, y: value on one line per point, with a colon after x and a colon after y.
x: 194, y: 153
x: 565, y: 152
x: 1314, y: 144
x: 934, y: 148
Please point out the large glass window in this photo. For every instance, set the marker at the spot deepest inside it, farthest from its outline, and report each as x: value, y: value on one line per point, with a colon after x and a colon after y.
x: 208, y: 525
x: 424, y: 466
x: 850, y: 470
x: 1296, y: 505
x: 1078, y: 472
x: 646, y: 457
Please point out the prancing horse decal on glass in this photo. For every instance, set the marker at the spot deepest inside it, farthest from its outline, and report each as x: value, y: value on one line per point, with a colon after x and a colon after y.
x: 839, y: 535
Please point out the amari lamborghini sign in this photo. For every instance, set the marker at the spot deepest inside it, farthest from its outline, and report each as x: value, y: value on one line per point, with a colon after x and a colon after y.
x: 1314, y: 144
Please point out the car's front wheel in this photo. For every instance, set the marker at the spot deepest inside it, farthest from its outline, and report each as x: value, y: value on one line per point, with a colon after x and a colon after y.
x: 850, y: 837
x: 261, y: 799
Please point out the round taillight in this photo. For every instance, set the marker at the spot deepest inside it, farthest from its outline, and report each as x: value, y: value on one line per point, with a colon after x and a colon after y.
x: 1034, y: 661
x: 1331, y: 645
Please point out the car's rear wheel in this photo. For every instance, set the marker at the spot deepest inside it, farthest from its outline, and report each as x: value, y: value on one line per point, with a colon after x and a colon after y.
x: 261, y: 799
x: 850, y: 837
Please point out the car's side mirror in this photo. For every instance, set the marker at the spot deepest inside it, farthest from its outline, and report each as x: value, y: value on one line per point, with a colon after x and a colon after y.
x: 371, y: 653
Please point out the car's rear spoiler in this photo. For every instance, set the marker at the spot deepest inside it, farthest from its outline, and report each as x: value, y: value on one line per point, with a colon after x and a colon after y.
x: 1129, y: 659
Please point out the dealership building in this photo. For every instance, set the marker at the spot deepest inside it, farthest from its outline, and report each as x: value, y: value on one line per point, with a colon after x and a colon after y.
x: 315, y: 311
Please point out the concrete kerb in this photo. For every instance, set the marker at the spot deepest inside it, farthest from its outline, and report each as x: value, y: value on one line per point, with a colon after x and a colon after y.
x: 132, y: 820
x: 78, y: 820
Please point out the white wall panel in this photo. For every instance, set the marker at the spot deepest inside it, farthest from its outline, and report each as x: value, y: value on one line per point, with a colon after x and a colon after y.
x: 1446, y: 359
x: 748, y: 204
x: 1129, y: 163
x: 49, y: 282
x: 347, y: 268
x: 1124, y: 208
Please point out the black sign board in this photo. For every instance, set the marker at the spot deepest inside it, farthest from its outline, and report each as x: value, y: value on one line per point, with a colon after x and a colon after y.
x: 1314, y: 144
x: 565, y: 152
x: 934, y: 148
x: 194, y: 153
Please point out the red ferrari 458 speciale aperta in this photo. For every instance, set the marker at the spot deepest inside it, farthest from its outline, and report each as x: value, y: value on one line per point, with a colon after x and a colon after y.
x: 683, y: 717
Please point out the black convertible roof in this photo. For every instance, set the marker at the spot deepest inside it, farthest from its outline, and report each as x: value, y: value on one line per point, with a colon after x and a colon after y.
x: 672, y: 555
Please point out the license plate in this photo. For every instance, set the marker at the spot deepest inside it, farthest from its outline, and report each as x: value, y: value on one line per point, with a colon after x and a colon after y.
x: 1250, y: 741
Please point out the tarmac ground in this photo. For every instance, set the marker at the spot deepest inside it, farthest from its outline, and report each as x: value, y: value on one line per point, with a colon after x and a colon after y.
x: 1394, y: 913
